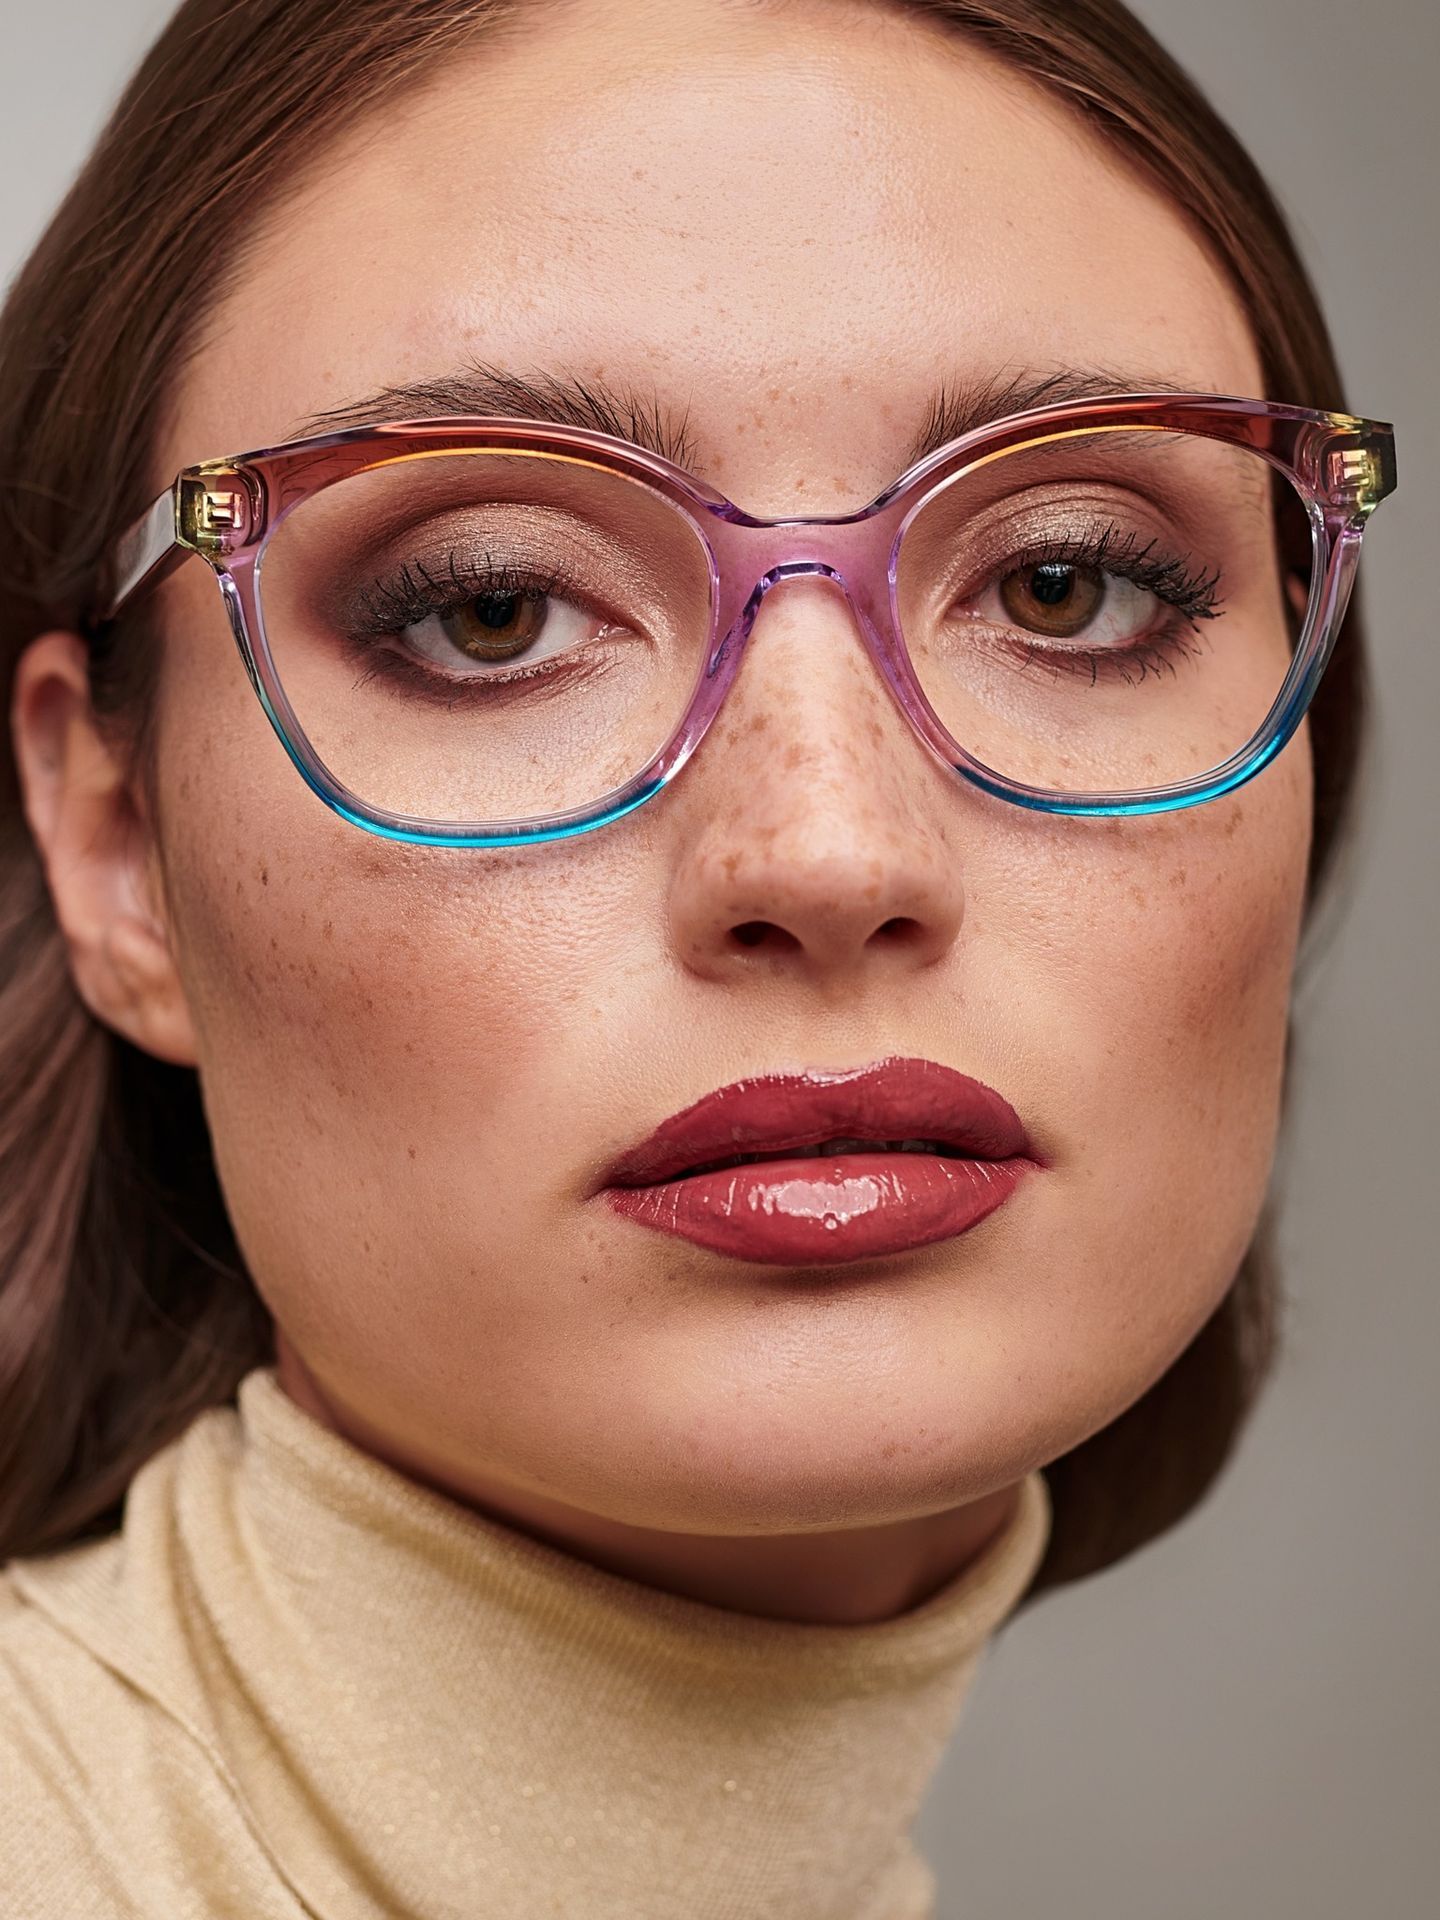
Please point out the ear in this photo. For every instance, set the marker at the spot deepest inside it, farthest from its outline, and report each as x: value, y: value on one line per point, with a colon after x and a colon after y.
x: 98, y: 851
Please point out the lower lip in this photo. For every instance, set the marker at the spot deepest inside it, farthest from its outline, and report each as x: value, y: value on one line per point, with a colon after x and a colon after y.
x: 818, y: 1212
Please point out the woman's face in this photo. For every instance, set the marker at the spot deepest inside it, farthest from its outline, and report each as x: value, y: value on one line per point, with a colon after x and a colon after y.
x: 789, y: 226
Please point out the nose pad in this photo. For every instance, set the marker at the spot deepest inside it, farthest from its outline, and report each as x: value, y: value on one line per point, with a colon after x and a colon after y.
x: 870, y: 631
x: 804, y: 570
x: 740, y: 628
x: 856, y: 662
x: 864, y: 638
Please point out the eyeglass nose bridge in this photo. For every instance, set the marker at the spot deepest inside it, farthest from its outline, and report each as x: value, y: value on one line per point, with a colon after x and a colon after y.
x: 853, y: 556
x: 734, y: 630
x: 853, y: 551
x: 870, y: 612
x: 752, y: 557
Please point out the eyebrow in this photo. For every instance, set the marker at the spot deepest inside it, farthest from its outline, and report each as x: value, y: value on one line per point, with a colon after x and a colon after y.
x: 566, y: 399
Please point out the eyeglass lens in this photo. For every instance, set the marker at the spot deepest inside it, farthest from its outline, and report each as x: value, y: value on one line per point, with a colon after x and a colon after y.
x: 493, y: 634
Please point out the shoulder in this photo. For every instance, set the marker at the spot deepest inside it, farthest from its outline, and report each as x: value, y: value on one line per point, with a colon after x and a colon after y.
x: 107, y: 1803
x: 55, y: 1857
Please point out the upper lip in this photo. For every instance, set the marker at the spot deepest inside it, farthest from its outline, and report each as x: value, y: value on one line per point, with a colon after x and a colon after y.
x: 898, y: 1098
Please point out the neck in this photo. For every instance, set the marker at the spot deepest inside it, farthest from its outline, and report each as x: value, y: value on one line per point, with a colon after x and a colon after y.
x: 856, y: 1576
x: 408, y: 1700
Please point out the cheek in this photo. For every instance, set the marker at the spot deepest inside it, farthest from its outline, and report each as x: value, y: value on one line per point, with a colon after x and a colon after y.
x: 1213, y: 919
x: 1173, y: 957
x: 376, y: 1021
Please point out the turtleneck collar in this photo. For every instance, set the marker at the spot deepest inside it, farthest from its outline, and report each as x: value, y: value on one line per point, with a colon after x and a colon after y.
x: 425, y: 1714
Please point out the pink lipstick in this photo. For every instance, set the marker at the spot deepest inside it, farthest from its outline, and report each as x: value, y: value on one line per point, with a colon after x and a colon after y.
x: 819, y: 1168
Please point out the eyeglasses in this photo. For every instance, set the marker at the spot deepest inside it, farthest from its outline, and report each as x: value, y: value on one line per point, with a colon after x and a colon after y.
x: 490, y: 631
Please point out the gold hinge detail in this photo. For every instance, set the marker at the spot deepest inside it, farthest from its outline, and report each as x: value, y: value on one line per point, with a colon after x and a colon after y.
x: 1356, y: 471
x: 212, y: 514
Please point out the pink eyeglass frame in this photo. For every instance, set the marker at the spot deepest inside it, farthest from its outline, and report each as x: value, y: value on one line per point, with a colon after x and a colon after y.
x: 226, y: 510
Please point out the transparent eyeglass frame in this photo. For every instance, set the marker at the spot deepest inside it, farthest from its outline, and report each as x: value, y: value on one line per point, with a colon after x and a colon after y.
x: 226, y: 510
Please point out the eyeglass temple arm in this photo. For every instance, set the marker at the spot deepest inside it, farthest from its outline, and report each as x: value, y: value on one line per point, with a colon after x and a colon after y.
x: 150, y: 549
x: 206, y: 510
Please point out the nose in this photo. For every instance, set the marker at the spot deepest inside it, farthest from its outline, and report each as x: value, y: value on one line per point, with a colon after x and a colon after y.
x: 815, y: 833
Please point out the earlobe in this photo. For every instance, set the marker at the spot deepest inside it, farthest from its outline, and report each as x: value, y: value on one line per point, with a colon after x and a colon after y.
x: 94, y: 844
x: 138, y: 966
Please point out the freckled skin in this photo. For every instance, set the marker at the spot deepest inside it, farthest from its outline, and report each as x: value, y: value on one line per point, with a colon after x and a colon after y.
x: 415, y: 1060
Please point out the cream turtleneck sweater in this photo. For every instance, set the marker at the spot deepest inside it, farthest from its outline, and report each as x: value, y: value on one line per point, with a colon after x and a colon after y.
x: 298, y: 1685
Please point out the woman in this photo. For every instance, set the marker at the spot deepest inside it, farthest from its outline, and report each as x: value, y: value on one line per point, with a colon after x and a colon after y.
x: 463, y: 1458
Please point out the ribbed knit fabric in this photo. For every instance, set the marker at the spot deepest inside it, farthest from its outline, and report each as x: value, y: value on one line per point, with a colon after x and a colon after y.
x: 298, y: 1683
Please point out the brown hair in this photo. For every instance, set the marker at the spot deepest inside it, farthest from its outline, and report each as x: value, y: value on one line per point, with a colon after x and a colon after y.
x: 125, y: 1308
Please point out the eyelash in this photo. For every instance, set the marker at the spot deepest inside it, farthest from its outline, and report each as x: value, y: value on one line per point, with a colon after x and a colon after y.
x: 387, y: 608
x: 1191, y: 591
x: 404, y: 602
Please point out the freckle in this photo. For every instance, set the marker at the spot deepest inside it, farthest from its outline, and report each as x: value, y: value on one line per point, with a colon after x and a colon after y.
x: 264, y: 876
x: 329, y: 929
x: 411, y: 1152
x: 729, y: 863
x: 1179, y: 876
x: 799, y: 486
x: 1139, y: 896
x: 760, y: 723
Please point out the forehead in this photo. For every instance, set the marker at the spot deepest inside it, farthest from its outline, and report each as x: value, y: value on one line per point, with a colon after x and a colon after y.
x: 787, y: 226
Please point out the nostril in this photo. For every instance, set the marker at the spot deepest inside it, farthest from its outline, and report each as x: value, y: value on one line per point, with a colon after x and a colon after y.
x: 903, y: 929
x: 753, y: 933
x: 750, y: 933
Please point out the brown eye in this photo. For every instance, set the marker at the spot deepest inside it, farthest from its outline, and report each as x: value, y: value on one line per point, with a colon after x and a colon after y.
x: 1053, y: 599
x: 495, y: 626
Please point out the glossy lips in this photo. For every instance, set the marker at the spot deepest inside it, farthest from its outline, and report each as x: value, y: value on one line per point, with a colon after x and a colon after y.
x: 850, y: 1205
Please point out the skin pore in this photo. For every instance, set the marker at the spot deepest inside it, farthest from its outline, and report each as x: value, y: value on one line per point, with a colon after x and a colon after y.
x: 787, y: 225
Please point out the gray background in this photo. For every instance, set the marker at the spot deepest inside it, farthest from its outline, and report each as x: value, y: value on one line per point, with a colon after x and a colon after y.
x: 1243, y: 1720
